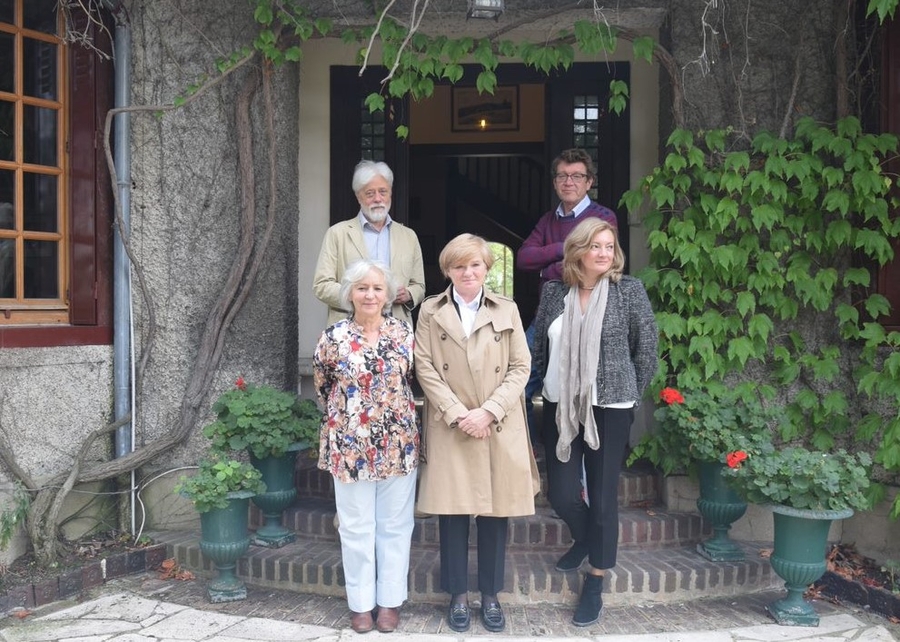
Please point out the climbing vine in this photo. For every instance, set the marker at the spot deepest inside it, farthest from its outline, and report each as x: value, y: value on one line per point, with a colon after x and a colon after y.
x: 760, y: 267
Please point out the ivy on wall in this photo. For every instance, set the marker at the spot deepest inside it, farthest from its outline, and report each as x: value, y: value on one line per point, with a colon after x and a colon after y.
x: 760, y: 264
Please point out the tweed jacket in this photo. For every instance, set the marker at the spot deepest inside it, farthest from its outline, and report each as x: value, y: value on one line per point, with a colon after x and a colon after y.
x: 628, y: 345
x: 344, y: 244
x: 462, y: 475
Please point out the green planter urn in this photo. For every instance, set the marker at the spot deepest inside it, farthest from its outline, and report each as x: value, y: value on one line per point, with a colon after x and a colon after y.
x: 224, y: 538
x: 278, y: 474
x: 720, y: 507
x: 801, y: 536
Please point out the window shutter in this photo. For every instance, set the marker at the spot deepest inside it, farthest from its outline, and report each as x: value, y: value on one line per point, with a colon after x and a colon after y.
x: 89, y: 200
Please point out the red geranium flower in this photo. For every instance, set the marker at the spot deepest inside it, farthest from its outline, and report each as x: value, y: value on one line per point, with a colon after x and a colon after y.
x: 240, y: 383
x: 670, y: 396
x: 734, y: 459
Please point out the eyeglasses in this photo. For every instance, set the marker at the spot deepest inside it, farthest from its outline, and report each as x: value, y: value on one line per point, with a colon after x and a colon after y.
x: 576, y: 178
x: 369, y: 194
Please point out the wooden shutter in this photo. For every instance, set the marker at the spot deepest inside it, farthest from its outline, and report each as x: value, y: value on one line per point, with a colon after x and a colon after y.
x: 89, y: 189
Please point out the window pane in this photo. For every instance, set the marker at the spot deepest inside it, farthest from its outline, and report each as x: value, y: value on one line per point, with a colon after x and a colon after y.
x: 7, y: 200
x: 40, y: 136
x: 6, y: 62
x: 7, y: 130
x: 6, y: 11
x: 40, y: 203
x: 7, y: 268
x: 40, y: 69
x: 40, y: 15
x: 41, y: 260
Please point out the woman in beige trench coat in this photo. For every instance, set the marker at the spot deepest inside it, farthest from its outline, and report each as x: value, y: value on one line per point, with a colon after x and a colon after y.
x: 472, y: 361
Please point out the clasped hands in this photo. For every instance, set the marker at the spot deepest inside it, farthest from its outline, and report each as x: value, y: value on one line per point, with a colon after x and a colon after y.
x: 476, y: 423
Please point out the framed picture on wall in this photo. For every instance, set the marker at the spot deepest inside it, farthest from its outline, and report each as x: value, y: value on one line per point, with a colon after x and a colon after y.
x: 474, y: 112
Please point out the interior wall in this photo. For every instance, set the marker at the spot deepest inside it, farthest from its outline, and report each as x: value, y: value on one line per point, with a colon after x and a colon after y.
x: 431, y: 120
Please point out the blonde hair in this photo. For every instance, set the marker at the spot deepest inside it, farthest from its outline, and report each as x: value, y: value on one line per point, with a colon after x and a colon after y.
x: 463, y: 248
x: 577, y: 244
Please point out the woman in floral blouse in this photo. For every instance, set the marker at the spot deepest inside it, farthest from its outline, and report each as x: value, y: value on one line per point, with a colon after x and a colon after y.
x: 369, y: 442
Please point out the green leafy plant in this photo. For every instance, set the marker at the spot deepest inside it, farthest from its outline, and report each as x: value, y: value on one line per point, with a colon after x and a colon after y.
x: 892, y: 568
x: 12, y: 518
x: 215, y: 479
x: 261, y: 419
x: 801, y: 478
x: 761, y: 262
x: 704, y: 424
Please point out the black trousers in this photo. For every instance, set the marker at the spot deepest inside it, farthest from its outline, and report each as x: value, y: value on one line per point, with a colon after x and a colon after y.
x: 597, y: 524
x: 454, y: 532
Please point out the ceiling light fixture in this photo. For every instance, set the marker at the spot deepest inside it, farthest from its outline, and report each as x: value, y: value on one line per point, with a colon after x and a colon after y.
x: 485, y: 9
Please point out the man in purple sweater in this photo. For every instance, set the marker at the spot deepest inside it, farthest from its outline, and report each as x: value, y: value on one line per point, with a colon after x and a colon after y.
x: 573, y: 175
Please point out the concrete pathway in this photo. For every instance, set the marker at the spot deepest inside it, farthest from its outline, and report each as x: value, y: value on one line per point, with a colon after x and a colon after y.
x: 144, y: 609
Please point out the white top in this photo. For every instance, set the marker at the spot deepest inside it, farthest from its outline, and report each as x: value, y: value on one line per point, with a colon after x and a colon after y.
x: 551, y: 379
x: 467, y: 311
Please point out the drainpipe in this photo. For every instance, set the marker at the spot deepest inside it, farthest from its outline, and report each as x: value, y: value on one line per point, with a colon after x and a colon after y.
x: 123, y: 361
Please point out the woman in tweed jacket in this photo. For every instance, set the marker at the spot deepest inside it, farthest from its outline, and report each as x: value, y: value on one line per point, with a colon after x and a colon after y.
x: 596, y: 349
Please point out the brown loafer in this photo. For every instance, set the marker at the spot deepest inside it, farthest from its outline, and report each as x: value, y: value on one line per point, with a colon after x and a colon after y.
x: 361, y: 622
x: 388, y: 618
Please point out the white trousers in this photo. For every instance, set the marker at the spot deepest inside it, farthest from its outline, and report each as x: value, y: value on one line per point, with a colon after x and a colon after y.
x: 376, y: 524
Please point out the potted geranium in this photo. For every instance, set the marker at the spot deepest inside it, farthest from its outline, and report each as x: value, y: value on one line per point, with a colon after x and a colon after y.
x: 807, y: 490
x: 272, y: 426
x: 220, y: 491
x: 696, y: 429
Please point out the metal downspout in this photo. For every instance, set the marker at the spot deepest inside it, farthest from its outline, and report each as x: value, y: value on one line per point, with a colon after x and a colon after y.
x: 122, y: 304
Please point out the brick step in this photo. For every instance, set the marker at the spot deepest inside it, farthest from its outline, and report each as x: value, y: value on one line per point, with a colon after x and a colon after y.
x: 658, y: 575
x: 313, y: 519
x: 637, y: 485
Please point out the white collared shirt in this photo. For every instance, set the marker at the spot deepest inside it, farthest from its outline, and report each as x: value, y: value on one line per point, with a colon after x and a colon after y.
x: 467, y: 311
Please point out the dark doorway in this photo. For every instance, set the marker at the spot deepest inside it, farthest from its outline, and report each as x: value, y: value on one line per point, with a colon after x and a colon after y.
x: 495, y: 189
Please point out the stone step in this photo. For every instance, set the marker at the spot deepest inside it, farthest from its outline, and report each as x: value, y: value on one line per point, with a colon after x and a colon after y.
x: 661, y: 574
x: 654, y: 527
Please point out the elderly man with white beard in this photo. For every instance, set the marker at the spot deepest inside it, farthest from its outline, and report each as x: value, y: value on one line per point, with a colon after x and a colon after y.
x: 371, y: 234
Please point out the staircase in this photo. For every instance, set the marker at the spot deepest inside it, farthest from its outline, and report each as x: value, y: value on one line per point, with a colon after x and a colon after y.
x: 657, y: 552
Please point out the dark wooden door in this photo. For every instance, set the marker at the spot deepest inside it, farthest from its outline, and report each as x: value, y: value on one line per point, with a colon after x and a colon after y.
x: 351, y: 123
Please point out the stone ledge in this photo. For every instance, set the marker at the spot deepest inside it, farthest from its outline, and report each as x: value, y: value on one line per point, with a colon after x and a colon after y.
x: 71, y: 582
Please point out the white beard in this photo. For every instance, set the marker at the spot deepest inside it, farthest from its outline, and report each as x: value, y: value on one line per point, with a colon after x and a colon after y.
x: 376, y: 213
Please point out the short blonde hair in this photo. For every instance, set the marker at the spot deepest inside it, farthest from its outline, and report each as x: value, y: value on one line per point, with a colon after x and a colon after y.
x: 462, y: 249
x: 577, y: 244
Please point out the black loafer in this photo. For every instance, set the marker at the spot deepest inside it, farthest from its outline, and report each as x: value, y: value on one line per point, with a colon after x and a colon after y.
x: 458, y: 617
x: 492, y: 616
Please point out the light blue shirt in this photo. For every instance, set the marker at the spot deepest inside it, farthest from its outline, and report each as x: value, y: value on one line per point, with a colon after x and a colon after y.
x: 378, y: 242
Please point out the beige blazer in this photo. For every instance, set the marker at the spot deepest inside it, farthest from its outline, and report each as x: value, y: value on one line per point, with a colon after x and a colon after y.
x: 344, y: 244
x: 496, y: 476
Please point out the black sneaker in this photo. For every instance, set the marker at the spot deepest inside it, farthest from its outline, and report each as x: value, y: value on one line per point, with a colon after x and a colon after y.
x: 458, y: 617
x: 573, y: 558
x: 492, y: 615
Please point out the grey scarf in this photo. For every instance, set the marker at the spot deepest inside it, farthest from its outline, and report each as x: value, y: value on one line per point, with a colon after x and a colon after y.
x: 578, y: 359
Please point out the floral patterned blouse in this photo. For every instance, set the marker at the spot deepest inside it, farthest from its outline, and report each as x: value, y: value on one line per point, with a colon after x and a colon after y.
x: 369, y: 428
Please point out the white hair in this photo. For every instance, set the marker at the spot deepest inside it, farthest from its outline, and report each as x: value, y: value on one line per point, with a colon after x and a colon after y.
x: 357, y: 271
x: 366, y: 170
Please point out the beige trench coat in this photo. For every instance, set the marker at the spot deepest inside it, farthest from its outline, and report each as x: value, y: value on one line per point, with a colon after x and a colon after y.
x: 496, y: 476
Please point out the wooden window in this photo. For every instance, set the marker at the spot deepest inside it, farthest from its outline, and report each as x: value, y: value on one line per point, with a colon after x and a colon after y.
x: 54, y: 204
